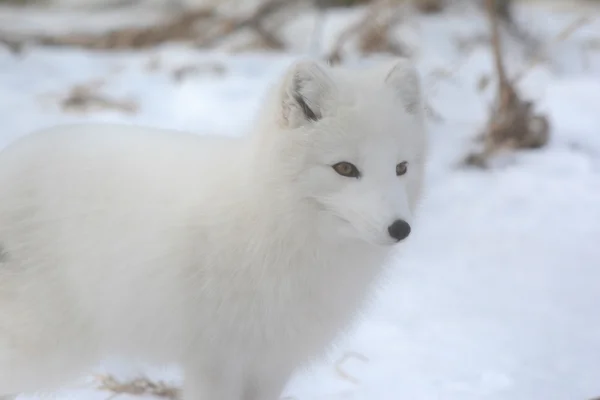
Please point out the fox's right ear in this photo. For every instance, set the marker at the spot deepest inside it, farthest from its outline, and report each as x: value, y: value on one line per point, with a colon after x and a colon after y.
x: 305, y: 90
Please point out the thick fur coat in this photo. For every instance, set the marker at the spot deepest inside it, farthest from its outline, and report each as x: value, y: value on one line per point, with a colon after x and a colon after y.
x: 241, y: 259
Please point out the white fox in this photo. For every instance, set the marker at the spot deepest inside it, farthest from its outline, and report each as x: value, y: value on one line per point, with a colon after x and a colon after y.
x: 240, y: 259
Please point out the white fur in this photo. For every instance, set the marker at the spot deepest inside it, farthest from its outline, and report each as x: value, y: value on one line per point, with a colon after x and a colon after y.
x: 241, y: 259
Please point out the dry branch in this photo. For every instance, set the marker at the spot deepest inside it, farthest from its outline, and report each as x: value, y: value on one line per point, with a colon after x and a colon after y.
x: 202, y: 27
x: 564, y: 34
x: 373, y: 31
x: 14, y: 46
x: 180, y: 28
x: 429, y: 6
x: 87, y: 97
x: 255, y: 22
x: 343, y: 359
x: 207, y: 27
x: 504, y: 12
x: 138, y: 387
x: 513, y: 123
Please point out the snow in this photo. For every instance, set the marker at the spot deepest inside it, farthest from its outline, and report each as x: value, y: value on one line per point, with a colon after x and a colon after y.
x: 497, y: 297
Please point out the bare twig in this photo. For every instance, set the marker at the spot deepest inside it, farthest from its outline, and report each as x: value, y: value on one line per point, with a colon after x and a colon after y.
x: 180, y: 28
x: 254, y: 22
x: 377, y: 36
x: 335, y: 57
x: 373, y: 31
x: 504, y: 11
x: 503, y: 85
x: 563, y: 35
x: 13, y: 45
x: 181, y: 73
x: 191, y: 25
x: 429, y: 6
x: 86, y: 97
x: 138, y: 387
x: 513, y: 123
x: 343, y: 359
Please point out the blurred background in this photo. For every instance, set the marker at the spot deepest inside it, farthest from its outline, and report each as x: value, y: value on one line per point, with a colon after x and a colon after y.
x: 498, y: 294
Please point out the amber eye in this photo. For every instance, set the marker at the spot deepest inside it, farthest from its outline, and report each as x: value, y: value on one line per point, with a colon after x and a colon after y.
x: 401, y: 168
x: 346, y: 169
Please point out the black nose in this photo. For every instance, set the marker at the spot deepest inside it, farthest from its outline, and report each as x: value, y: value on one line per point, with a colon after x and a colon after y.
x: 399, y: 230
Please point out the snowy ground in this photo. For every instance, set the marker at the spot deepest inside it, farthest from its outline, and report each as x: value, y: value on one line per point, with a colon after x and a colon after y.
x: 497, y: 296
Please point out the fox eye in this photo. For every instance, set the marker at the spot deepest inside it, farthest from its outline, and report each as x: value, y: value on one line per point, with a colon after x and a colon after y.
x: 401, y: 168
x: 346, y: 169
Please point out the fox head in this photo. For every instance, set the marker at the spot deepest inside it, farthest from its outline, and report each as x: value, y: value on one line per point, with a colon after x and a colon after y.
x: 353, y: 144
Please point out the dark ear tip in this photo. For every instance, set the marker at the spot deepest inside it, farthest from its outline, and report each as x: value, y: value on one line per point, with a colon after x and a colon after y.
x: 309, y: 114
x: 304, y: 74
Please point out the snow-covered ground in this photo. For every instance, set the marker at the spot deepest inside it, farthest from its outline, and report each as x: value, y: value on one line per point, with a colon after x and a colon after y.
x: 497, y: 296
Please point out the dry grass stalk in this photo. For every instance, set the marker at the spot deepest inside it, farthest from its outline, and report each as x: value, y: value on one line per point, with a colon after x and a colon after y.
x: 255, y: 22
x: 183, y: 72
x: 373, y: 31
x: 203, y: 27
x: 335, y: 56
x: 513, y: 123
x: 85, y: 97
x: 13, y: 45
x: 181, y: 28
x: 429, y: 6
x: 504, y: 12
x: 378, y: 38
x: 433, y: 114
x: 563, y: 35
x: 138, y: 387
x: 345, y: 357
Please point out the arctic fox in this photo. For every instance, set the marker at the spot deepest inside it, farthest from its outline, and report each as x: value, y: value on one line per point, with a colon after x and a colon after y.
x: 240, y: 259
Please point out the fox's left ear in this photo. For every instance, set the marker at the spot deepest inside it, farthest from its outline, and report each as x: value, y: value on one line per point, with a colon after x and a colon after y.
x: 306, y: 88
x: 405, y: 80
